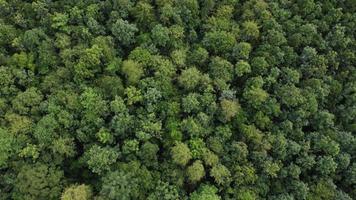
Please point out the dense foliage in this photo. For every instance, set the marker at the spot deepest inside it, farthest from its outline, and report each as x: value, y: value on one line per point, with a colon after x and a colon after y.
x: 178, y: 99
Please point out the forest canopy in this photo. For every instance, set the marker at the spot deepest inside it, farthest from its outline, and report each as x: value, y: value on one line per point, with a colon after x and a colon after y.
x: 178, y: 99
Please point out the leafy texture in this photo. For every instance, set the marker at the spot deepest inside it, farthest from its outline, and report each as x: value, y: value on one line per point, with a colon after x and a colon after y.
x: 177, y: 100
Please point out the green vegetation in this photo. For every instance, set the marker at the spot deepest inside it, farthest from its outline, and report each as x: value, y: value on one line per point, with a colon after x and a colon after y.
x: 178, y: 100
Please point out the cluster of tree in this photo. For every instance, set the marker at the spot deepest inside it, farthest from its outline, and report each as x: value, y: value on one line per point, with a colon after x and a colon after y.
x: 177, y: 99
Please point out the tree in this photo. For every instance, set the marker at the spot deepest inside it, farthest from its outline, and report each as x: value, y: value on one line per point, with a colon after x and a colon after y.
x: 110, y: 86
x: 242, y: 67
x: 27, y: 101
x: 119, y: 185
x: 250, y: 30
x: 244, y: 175
x: 148, y: 154
x: 209, y: 158
x: 181, y: 154
x: 99, y: 159
x: 133, y: 95
x: 160, y: 35
x: 93, y: 105
x: 271, y: 168
x: 239, y: 152
x: 246, y: 194
x: 190, y: 78
x: 290, y: 95
x: 205, y: 192
x: 221, y: 69
x: 144, y: 14
x: 259, y: 64
x: 179, y: 57
x: 124, y: 32
x: 219, y: 42
x: 276, y: 38
x: 221, y: 174
x: 229, y: 109
x: 132, y: 71
x: 123, y: 7
x: 30, y: 151
x: 6, y: 146
x: 104, y: 136
x: 59, y: 21
x: 130, y: 147
x: 191, y: 103
x: 46, y: 57
x: 38, y: 181
x: 256, y: 96
x: 199, y: 56
x: 164, y: 191
x: 130, y: 181
x: 46, y: 129
x: 241, y: 51
x: 251, y: 133
x: 323, y: 189
x: 77, y: 192
x: 88, y: 63
x: 326, y: 165
x: 23, y: 60
x: 64, y: 147
x: 195, y: 172
x: 141, y: 55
